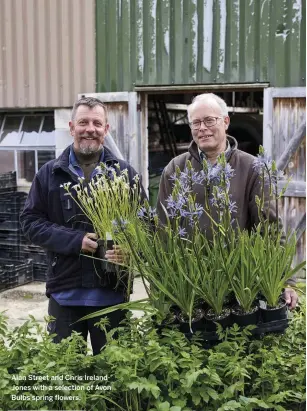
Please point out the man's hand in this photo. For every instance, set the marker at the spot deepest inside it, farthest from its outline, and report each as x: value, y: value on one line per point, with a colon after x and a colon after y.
x: 88, y: 243
x: 291, y: 298
x: 116, y: 255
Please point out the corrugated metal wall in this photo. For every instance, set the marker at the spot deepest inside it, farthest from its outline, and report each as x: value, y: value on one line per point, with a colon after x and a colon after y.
x: 165, y: 42
x: 47, y: 52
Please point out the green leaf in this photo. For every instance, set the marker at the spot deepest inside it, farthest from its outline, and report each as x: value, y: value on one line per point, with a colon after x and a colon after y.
x: 254, y: 401
x: 230, y: 406
x: 213, y: 394
x: 51, y: 364
x: 164, y: 406
x: 204, y: 395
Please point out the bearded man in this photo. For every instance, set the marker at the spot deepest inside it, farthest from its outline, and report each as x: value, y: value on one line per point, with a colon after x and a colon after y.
x: 52, y: 220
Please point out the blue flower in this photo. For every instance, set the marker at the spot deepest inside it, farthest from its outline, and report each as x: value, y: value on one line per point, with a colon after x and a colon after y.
x: 263, y: 163
x: 147, y: 212
x: 119, y: 225
x: 220, y: 173
x: 232, y: 207
x: 175, y: 205
x: 182, y: 232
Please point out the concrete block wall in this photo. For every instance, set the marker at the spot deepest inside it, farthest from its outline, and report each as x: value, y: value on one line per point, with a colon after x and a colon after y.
x: 62, y: 134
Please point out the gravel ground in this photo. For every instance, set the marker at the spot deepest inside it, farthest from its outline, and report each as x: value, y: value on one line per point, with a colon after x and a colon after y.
x: 30, y: 299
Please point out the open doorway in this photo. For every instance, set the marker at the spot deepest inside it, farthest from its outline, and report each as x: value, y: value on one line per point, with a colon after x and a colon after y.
x: 169, y: 132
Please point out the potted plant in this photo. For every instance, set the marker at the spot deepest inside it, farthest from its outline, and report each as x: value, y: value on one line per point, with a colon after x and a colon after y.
x: 245, y: 278
x: 213, y: 285
x: 276, y: 257
x: 275, y: 249
x: 109, y: 186
x: 163, y: 259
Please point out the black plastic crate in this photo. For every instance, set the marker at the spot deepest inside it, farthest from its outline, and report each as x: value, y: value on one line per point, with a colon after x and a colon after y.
x: 4, y: 279
x: 16, y: 273
x: 12, y: 202
x: 9, y: 221
x: 36, y: 253
x: 12, y: 237
x: 39, y: 272
x: 10, y: 252
x: 8, y: 181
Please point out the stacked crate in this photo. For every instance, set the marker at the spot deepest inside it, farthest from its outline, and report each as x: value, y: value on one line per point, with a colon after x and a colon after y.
x: 38, y: 256
x: 14, y: 270
x: 13, y: 246
x: 15, y: 273
x: 19, y: 262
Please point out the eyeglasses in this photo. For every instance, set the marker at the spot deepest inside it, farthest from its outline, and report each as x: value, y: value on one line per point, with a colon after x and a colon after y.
x: 208, y: 122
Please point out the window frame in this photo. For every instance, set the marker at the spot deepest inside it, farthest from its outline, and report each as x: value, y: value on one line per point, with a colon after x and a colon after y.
x: 21, y: 134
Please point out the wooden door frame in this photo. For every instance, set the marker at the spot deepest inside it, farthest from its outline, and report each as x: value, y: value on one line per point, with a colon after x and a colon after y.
x: 268, y: 95
x: 138, y: 145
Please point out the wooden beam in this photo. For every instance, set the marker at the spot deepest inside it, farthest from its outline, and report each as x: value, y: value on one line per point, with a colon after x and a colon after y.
x: 116, y: 97
x: 201, y: 87
x: 292, y: 146
x: 294, y: 189
x: 288, y: 92
x: 268, y: 121
x: 301, y: 227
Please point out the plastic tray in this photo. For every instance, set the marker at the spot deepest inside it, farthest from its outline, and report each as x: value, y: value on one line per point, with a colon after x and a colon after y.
x: 15, y: 273
x: 39, y: 272
x: 8, y: 181
x: 9, y: 221
x: 12, y: 202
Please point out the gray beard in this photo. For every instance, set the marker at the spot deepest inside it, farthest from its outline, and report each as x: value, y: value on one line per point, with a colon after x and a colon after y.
x: 88, y: 151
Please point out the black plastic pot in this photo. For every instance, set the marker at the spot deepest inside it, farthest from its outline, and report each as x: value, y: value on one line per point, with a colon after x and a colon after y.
x: 225, y: 319
x: 275, y: 314
x: 244, y: 319
x: 196, y: 325
x: 103, y: 246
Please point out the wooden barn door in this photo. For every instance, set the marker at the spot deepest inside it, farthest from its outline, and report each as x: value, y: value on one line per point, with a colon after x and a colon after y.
x: 284, y: 138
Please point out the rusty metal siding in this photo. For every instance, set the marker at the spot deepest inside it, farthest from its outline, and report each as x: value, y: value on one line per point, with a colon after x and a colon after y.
x: 47, y: 52
x: 166, y: 42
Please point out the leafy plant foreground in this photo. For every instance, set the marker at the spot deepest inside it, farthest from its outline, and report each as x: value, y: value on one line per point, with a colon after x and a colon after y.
x: 145, y: 369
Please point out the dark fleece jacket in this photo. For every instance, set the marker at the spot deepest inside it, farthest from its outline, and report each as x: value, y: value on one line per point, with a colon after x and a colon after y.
x: 52, y: 220
x: 244, y: 185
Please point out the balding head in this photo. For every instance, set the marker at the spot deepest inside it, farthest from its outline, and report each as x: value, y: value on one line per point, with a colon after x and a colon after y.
x: 210, y: 99
x: 208, y: 119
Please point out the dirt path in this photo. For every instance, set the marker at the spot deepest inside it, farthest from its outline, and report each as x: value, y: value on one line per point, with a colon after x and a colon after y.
x: 30, y: 299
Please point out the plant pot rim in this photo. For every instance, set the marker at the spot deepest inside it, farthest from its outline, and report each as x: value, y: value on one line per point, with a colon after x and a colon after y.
x: 253, y: 310
x: 280, y: 300
x: 180, y: 318
x: 226, y: 312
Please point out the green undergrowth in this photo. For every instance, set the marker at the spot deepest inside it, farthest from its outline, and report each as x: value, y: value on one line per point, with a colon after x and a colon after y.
x: 147, y: 370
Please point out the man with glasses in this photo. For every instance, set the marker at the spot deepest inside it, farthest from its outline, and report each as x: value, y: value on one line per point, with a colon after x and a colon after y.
x: 209, y: 121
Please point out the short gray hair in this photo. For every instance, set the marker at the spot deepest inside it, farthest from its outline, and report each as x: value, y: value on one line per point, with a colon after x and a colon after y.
x: 90, y: 102
x: 206, y: 97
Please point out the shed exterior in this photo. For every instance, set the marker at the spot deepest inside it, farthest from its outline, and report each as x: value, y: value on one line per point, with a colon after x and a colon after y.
x: 167, y: 42
x: 47, y: 52
x: 285, y: 141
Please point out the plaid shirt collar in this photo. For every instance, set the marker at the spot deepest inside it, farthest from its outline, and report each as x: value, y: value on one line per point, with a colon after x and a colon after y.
x: 203, y: 156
